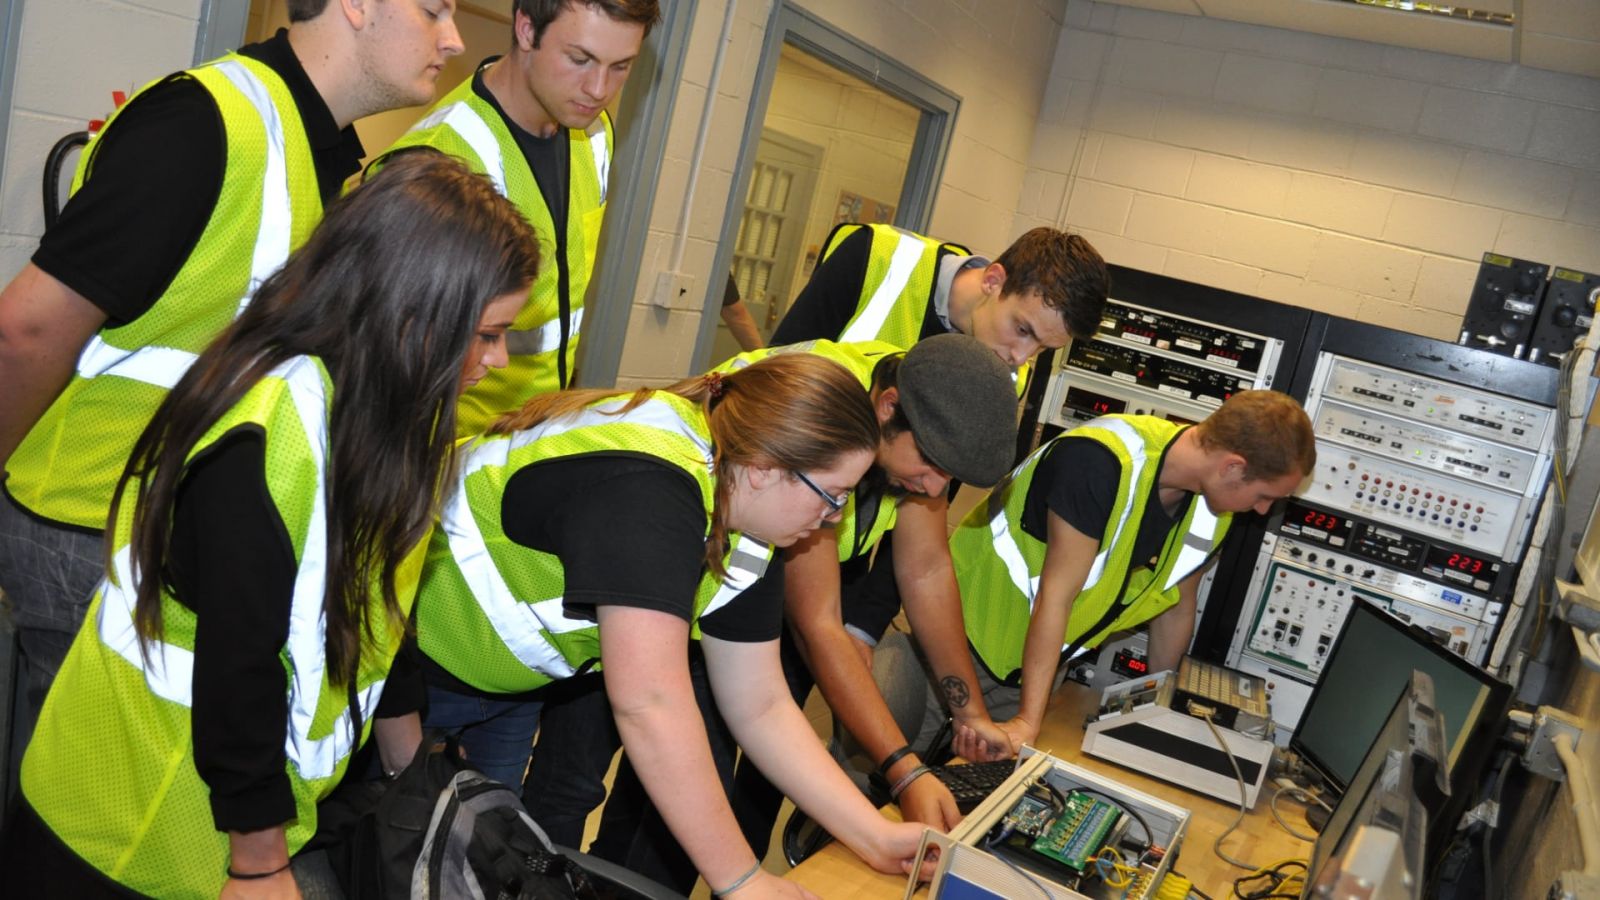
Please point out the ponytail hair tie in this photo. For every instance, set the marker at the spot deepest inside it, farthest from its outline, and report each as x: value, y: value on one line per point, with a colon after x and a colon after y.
x: 714, y: 384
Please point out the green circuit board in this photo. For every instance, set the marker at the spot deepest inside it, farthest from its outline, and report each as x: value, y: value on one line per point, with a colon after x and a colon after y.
x: 1078, y: 834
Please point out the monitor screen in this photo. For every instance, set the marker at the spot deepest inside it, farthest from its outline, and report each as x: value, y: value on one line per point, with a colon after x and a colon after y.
x: 1381, y: 789
x: 1370, y: 662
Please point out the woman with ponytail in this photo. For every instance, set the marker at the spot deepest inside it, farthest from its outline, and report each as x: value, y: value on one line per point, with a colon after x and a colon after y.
x: 604, y: 531
x: 264, y: 549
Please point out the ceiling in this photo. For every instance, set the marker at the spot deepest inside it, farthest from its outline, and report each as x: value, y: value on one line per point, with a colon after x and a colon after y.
x: 1559, y: 35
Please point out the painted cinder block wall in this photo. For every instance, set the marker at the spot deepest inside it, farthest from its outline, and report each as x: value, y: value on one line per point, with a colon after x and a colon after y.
x: 71, y: 55
x: 1355, y: 178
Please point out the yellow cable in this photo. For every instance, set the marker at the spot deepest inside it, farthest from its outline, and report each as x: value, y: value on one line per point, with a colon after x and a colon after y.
x: 1127, y: 873
x: 1173, y: 887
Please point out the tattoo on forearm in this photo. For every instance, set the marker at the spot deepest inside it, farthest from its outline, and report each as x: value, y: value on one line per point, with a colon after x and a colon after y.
x: 955, y: 691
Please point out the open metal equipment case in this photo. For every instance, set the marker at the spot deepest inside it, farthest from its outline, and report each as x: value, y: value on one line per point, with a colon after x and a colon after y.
x: 1042, y: 831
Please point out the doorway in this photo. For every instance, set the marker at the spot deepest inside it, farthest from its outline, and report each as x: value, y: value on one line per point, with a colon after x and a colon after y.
x: 838, y: 132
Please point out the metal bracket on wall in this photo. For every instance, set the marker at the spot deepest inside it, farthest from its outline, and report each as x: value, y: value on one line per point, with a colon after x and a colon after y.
x: 1540, y: 757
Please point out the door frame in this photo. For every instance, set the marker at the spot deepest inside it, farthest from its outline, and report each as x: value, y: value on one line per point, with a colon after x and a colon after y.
x: 222, y: 25
x: 792, y: 25
x: 10, y: 39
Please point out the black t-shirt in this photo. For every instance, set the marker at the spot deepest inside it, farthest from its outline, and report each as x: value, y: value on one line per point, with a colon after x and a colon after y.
x: 548, y: 157
x: 549, y: 160
x: 829, y: 299
x: 124, y: 235
x: 233, y: 564
x: 1077, y: 480
x: 629, y: 531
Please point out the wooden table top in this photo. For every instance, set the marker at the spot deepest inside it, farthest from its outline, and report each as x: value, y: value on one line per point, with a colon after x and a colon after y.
x: 836, y: 872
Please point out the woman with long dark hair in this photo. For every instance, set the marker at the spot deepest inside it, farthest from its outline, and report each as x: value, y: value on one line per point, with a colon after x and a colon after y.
x: 598, y: 530
x: 265, y: 546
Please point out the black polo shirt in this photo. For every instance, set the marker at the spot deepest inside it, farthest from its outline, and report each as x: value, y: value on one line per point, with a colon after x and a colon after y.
x: 122, y: 238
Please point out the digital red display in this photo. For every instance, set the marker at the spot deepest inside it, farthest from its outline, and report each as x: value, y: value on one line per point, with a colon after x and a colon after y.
x: 1454, y: 562
x: 1094, y: 404
x: 1127, y: 663
x: 1461, y: 562
x: 1320, y: 520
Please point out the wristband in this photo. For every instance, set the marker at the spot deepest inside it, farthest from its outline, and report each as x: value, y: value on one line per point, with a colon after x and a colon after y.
x: 903, y: 783
x: 257, y: 876
x: 891, y: 759
x: 738, y: 882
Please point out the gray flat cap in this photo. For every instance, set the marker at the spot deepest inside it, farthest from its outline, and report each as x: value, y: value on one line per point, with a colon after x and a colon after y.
x: 961, y: 402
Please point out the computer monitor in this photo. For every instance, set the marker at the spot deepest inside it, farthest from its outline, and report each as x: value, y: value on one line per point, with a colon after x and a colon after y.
x: 1377, y: 831
x: 1372, y: 659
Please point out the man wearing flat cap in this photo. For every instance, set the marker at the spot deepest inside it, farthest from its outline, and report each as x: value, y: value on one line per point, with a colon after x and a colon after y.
x: 947, y: 409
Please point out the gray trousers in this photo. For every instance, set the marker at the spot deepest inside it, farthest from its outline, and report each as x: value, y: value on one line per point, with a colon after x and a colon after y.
x: 48, y: 574
x: 907, y: 684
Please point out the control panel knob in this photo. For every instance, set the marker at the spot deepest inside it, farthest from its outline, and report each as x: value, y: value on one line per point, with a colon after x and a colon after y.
x: 1564, y: 316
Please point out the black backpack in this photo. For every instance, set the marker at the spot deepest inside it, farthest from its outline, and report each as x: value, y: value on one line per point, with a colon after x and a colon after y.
x: 481, y: 843
x: 441, y: 827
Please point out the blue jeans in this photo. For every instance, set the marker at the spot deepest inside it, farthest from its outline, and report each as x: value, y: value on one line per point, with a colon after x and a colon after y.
x: 497, y: 735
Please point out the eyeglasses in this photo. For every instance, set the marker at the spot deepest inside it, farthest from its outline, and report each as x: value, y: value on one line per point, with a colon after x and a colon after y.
x: 835, y: 504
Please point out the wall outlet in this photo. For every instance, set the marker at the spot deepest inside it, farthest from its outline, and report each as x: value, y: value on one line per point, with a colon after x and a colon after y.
x: 674, y: 290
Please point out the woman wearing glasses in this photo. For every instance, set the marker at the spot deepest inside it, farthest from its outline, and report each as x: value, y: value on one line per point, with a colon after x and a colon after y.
x: 596, y: 530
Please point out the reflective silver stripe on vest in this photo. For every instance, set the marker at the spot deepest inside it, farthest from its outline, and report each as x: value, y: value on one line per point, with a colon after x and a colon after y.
x: 602, y: 159
x: 163, y: 366
x: 1196, y: 542
x: 170, y: 674
x: 1011, y: 555
x: 272, y: 239
x: 746, y: 564
x: 545, y: 337
x: 1138, y: 457
x: 904, y: 261
x: 465, y: 121
x: 160, y: 366
x: 1000, y: 530
x: 519, y: 623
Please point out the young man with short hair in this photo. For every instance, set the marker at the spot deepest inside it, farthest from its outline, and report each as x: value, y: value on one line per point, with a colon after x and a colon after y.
x: 1104, y: 528
x: 535, y: 121
x: 877, y: 282
x: 195, y: 191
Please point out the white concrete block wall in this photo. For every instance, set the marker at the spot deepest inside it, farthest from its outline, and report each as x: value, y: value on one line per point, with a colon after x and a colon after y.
x: 71, y: 55
x: 995, y: 54
x: 1354, y: 178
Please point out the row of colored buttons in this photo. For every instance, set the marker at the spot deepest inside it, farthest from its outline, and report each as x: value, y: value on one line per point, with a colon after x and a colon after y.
x: 1426, y: 495
x: 1449, y: 520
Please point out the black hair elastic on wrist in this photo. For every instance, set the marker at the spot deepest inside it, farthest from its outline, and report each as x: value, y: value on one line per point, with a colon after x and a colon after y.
x: 891, y: 759
x: 257, y: 876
